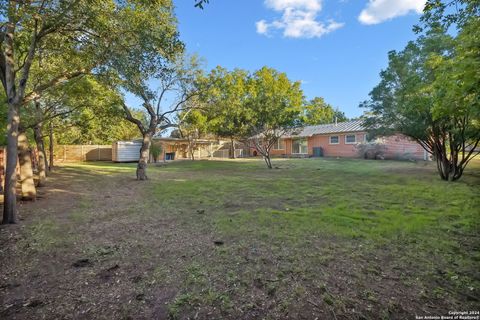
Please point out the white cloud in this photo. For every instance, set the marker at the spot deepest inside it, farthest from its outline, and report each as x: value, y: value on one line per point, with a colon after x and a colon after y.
x: 298, y: 20
x: 279, y: 5
x: 262, y: 27
x: 378, y: 11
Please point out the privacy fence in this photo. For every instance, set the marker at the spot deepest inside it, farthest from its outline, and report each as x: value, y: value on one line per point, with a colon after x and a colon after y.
x: 75, y: 153
x: 65, y: 153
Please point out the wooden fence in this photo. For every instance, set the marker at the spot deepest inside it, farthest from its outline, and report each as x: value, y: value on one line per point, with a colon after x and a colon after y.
x: 75, y: 153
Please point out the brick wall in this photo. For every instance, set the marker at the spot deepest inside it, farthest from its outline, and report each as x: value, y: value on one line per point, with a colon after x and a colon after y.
x: 341, y: 149
x: 398, y: 146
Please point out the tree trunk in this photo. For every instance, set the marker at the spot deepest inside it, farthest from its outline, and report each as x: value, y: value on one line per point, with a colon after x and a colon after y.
x: 50, y: 148
x: 144, y: 155
x: 192, y: 154
x: 268, y: 161
x: 15, y: 95
x: 42, y: 159
x: 448, y: 169
x: 232, y: 149
x: 191, y: 146
x: 29, y: 191
x: 10, y: 194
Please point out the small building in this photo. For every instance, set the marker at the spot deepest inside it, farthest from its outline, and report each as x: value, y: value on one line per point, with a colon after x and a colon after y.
x: 126, y: 151
x: 342, y: 140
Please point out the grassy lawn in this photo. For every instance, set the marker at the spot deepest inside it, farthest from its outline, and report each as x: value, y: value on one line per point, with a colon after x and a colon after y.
x: 312, y: 238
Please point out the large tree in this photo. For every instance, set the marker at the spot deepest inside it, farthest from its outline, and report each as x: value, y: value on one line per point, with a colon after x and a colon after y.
x: 254, y: 108
x: 193, y: 125
x: 275, y: 105
x: 317, y: 111
x: 226, y: 104
x: 94, y: 118
x: 430, y: 90
x: 164, y: 95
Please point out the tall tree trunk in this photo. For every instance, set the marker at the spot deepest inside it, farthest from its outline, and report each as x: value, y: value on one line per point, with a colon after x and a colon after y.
x: 42, y: 159
x: 191, y: 146
x: 50, y: 148
x: 144, y: 156
x: 10, y: 193
x: 232, y: 149
x: 15, y: 95
x: 29, y: 191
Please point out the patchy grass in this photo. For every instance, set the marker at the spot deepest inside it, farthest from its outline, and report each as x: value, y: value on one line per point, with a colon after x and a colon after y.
x: 326, y: 238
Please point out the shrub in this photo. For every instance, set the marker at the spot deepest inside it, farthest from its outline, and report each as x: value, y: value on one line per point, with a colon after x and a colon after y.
x: 155, y: 151
x: 372, y: 150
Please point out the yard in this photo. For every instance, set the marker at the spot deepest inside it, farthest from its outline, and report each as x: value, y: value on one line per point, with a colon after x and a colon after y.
x: 312, y: 238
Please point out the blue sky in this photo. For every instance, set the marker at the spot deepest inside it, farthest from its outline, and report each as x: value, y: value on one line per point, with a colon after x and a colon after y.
x: 335, y: 47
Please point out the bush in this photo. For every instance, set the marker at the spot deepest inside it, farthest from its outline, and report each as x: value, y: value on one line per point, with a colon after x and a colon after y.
x: 372, y: 150
x: 155, y: 151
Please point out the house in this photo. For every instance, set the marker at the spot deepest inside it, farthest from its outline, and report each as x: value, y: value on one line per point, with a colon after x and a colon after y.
x: 341, y: 140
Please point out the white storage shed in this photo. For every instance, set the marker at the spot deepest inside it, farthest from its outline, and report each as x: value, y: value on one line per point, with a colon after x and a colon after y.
x: 126, y: 151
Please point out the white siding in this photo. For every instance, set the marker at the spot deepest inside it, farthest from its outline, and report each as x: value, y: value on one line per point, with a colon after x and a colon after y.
x: 126, y: 151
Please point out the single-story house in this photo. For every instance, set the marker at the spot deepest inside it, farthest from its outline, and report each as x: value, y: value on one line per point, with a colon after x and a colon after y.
x: 342, y: 140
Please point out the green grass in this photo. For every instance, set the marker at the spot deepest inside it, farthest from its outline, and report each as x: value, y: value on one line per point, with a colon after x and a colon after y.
x: 345, y: 198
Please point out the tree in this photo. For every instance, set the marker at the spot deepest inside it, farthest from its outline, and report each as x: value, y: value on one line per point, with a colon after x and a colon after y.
x: 339, y: 116
x: 430, y: 90
x: 226, y: 104
x: 193, y: 126
x: 176, y: 85
x: 256, y: 109
x: 275, y: 105
x: 317, y: 111
x: 94, y: 118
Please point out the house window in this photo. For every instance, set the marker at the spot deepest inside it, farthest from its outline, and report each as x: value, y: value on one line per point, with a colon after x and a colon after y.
x: 300, y: 146
x: 334, y: 140
x: 279, y: 145
x: 350, y: 139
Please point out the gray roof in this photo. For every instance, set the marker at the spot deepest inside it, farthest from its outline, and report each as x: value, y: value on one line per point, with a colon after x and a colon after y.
x: 350, y: 126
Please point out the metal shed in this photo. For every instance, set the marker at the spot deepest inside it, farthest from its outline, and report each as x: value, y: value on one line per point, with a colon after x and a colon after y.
x: 126, y: 151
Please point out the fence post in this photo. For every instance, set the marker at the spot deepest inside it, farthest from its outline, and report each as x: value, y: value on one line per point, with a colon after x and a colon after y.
x: 64, y: 153
x: 98, y: 148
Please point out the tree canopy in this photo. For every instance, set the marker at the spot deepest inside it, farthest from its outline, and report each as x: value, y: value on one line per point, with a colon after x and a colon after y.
x: 45, y: 44
x: 317, y: 111
x: 430, y: 90
x: 254, y: 108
